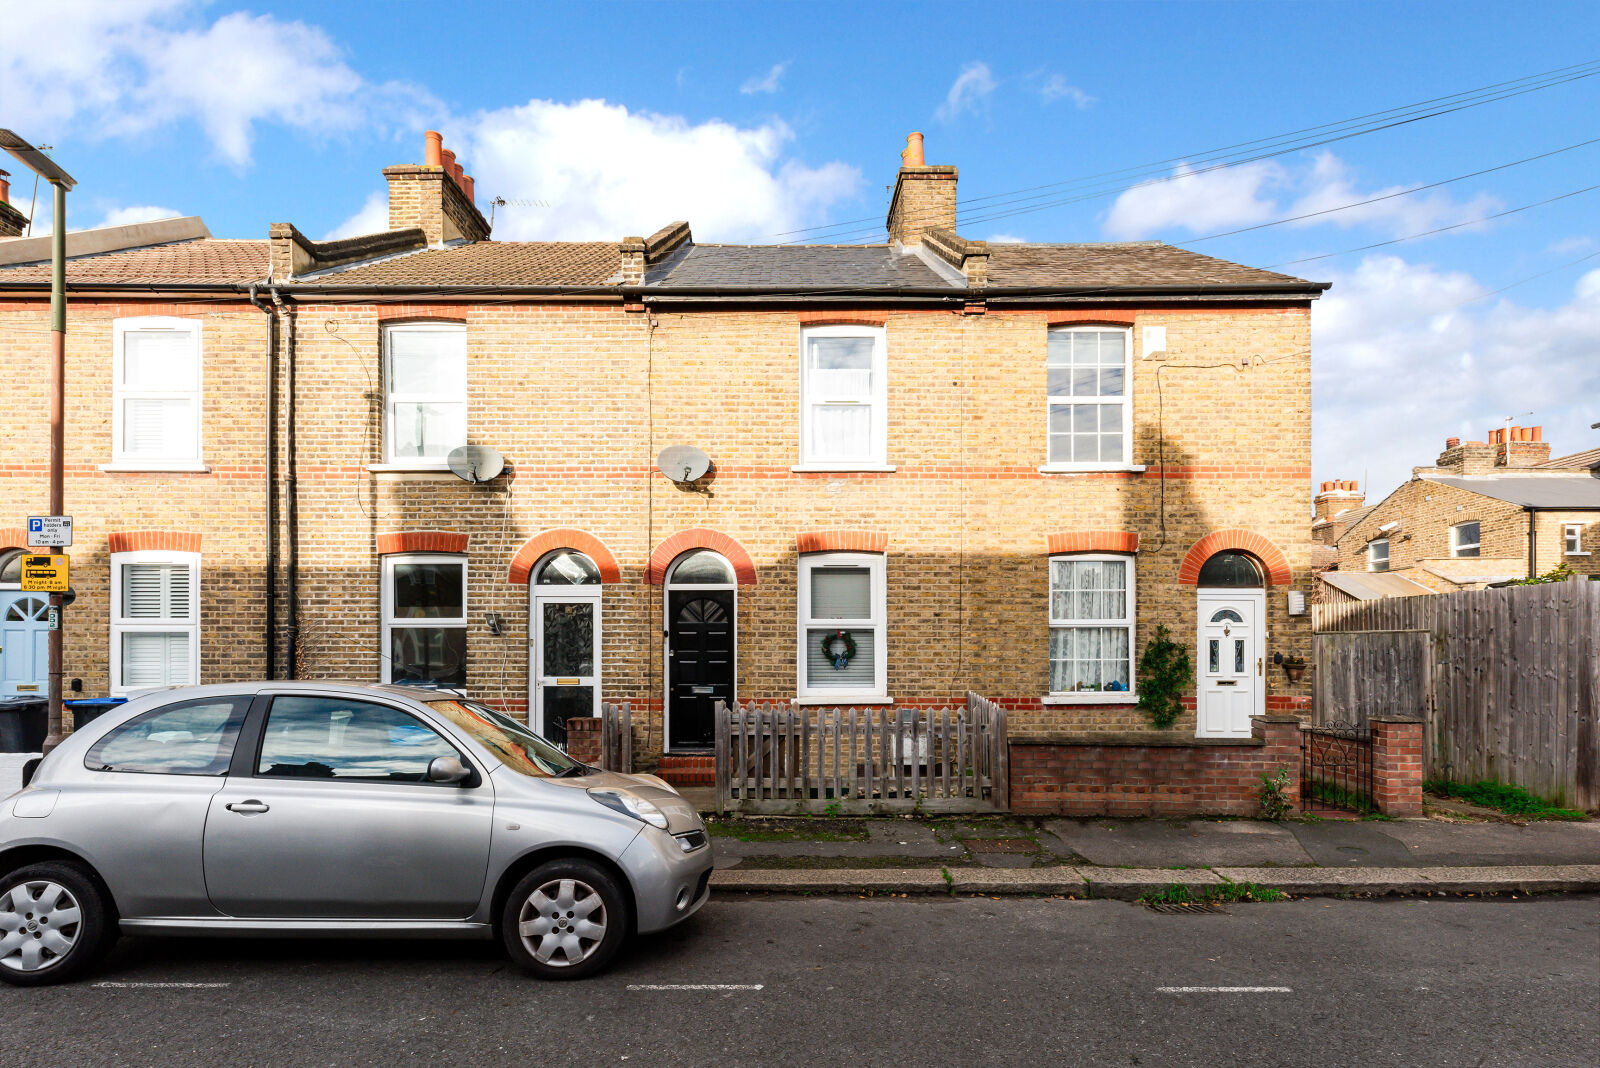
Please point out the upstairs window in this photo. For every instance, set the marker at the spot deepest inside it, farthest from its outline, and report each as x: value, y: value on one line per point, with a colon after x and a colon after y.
x: 1091, y: 624
x: 425, y: 392
x: 156, y: 391
x: 1086, y: 376
x: 843, y: 391
x: 1378, y: 554
x: 425, y: 620
x: 842, y: 600
x: 1464, y: 539
x: 155, y: 620
x: 1572, y: 539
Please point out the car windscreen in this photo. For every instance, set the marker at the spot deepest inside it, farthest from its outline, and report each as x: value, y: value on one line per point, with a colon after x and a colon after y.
x: 517, y: 747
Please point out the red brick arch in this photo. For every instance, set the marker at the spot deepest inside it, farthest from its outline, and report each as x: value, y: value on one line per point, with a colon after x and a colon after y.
x: 744, y: 568
x: 13, y: 538
x: 170, y: 541
x: 562, y: 538
x: 422, y: 541
x: 1271, y: 557
x: 856, y: 541
x: 1093, y: 541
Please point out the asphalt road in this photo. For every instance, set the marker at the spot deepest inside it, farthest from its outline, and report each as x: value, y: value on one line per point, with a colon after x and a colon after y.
x: 850, y: 981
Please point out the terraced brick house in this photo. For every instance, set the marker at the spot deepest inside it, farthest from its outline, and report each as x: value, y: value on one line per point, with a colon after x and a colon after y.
x: 1485, y: 512
x: 935, y: 465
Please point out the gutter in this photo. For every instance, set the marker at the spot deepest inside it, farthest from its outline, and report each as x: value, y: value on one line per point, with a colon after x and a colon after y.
x: 271, y: 621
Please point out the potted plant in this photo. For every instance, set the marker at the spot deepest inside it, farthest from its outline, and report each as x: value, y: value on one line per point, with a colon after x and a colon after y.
x: 1294, y: 667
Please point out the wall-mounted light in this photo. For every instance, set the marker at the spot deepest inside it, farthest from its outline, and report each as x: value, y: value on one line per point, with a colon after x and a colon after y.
x: 493, y: 620
x: 1297, y: 603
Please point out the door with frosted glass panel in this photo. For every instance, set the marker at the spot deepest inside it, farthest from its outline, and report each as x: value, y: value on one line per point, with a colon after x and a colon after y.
x: 566, y: 659
x: 1229, y: 664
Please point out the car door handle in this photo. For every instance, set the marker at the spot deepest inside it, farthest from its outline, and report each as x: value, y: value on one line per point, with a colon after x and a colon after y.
x: 248, y: 806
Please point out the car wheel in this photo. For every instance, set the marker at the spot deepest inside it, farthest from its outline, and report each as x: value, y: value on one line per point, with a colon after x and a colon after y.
x: 54, y: 923
x: 566, y: 919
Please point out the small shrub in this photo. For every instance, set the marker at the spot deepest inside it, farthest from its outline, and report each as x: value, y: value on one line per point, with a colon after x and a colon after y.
x: 1164, y: 674
x: 1275, y: 800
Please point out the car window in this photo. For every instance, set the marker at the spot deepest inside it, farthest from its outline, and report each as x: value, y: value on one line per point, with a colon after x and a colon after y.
x: 335, y: 738
x: 516, y: 746
x: 189, y: 738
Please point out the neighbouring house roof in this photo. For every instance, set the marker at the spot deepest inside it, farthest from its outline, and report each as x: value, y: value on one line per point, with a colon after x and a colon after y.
x: 776, y: 266
x: 1122, y: 264
x: 487, y: 263
x: 1576, y: 491
x: 1373, y: 585
x: 198, y: 262
x: 1323, y: 556
x: 1586, y: 460
x: 1467, y: 580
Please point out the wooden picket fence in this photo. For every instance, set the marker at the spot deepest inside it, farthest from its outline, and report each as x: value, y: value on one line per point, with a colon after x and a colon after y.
x: 774, y: 758
x: 616, y: 737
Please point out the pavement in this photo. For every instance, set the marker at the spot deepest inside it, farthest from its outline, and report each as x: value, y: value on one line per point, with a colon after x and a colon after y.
x: 1126, y: 858
x: 831, y: 980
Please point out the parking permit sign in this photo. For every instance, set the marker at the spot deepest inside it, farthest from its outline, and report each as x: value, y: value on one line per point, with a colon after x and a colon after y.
x: 44, y: 574
x: 48, y: 531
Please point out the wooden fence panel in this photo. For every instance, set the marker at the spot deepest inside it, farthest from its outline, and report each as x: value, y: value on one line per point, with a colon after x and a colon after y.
x: 616, y: 737
x: 1515, y: 679
x: 1366, y: 672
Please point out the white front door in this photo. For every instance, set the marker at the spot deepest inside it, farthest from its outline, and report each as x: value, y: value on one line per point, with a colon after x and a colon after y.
x: 564, y: 658
x: 24, y: 643
x: 1232, y: 683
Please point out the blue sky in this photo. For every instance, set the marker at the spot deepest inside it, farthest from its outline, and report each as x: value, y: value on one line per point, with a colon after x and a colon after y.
x: 754, y: 120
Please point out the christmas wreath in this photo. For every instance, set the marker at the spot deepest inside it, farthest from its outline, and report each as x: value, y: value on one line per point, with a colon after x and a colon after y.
x: 840, y: 659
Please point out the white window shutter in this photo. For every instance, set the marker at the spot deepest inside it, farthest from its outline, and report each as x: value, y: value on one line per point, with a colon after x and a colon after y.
x: 151, y: 658
x: 157, y: 591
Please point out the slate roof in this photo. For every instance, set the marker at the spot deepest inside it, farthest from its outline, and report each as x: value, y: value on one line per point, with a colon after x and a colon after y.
x: 489, y: 263
x: 207, y: 260
x: 1583, y: 461
x: 776, y: 266
x: 1137, y: 263
x: 1576, y: 491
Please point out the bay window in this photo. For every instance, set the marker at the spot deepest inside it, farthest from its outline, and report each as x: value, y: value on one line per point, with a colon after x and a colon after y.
x: 425, y: 392
x: 155, y: 620
x: 1091, y: 625
x: 841, y: 633
x: 843, y: 397
x: 425, y: 620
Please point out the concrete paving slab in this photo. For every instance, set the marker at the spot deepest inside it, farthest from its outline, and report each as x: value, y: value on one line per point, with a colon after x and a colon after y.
x: 885, y: 838
x: 1058, y: 881
x: 1352, y: 844
x: 832, y: 881
x: 1532, y: 878
x: 1545, y: 842
x: 1383, y: 880
x: 1166, y: 843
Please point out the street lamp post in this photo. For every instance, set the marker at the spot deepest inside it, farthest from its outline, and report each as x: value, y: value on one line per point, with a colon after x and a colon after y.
x: 60, y: 181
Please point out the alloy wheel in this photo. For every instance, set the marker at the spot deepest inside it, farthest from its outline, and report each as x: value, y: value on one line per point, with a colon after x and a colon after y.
x: 562, y: 922
x: 39, y: 924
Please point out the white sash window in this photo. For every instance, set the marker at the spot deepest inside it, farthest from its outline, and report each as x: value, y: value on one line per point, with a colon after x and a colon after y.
x: 842, y: 593
x: 156, y: 391
x: 843, y: 389
x: 425, y: 384
x: 155, y: 620
x: 1091, y: 625
x: 1089, y: 419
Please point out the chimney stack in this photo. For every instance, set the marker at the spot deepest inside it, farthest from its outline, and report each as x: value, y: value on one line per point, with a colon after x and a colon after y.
x: 435, y: 196
x: 1519, y: 446
x: 1337, y: 496
x: 12, y: 221
x: 924, y: 197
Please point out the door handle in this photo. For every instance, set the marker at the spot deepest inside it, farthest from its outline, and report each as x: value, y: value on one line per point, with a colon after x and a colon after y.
x: 1258, y: 667
x: 248, y: 806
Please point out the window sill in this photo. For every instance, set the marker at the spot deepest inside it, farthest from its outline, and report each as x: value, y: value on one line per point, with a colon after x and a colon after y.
x: 814, y: 468
x: 193, y: 466
x: 1073, y: 469
x: 1091, y: 697
x: 1584, y: 553
x: 409, y: 468
x: 842, y: 699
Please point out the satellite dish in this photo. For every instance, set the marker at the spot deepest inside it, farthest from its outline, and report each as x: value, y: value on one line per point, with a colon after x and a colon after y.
x: 683, y: 463
x: 476, y: 463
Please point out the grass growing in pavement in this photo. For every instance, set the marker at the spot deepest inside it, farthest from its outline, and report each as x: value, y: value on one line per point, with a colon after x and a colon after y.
x: 1512, y: 800
x: 1222, y: 894
x: 798, y: 831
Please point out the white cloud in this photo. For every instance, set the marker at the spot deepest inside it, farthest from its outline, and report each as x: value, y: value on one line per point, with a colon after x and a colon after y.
x: 137, y: 214
x: 1328, y: 185
x: 1403, y: 360
x: 1055, y: 87
x: 126, y: 68
x: 1197, y: 201
x: 1007, y: 239
x: 608, y: 172
x: 767, y: 83
x: 968, y: 92
x: 373, y: 218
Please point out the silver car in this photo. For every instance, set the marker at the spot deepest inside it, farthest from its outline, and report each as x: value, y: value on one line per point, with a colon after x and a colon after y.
x: 321, y: 808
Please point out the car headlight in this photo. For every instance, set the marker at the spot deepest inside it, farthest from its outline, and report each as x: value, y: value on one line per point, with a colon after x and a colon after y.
x: 628, y: 805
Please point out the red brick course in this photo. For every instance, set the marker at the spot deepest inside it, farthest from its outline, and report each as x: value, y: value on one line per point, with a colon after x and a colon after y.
x: 422, y: 541
x: 171, y: 541
x: 1397, y: 766
x: 859, y: 541
x: 1093, y: 541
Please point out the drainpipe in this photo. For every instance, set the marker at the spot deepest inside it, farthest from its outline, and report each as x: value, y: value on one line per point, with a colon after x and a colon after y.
x: 292, y: 492
x: 271, y: 621
x: 1533, y: 541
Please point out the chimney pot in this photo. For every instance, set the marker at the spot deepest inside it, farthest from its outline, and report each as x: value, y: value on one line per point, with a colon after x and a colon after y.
x: 1537, y: 432
x: 1451, y: 443
x: 466, y: 187
x: 5, y: 187
x: 447, y: 160
x: 434, y: 146
x: 912, y: 156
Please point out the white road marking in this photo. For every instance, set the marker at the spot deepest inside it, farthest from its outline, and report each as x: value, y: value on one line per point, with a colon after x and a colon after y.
x: 1223, y: 990
x: 160, y: 986
x: 695, y: 986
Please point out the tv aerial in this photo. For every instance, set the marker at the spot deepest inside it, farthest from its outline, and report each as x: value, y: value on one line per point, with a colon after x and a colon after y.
x: 683, y: 463
x: 475, y: 463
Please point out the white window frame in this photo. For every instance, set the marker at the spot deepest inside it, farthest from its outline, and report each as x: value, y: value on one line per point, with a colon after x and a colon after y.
x: 121, y: 459
x: 1457, y: 545
x: 1372, y: 558
x: 874, y: 563
x: 1126, y: 463
x: 1096, y: 697
x: 391, y: 398
x: 878, y: 441
x: 1572, y: 539
x: 121, y: 625
x: 390, y: 624
x: 538, y: 596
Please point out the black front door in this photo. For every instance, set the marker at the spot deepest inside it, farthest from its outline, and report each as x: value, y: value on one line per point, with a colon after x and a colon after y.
x: 700, y: 671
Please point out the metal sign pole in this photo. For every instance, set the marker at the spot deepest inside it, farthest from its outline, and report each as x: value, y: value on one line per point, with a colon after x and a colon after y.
x: 58, y: 390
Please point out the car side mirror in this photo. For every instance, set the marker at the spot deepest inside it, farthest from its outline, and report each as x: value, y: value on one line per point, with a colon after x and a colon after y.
x: 448, y: 769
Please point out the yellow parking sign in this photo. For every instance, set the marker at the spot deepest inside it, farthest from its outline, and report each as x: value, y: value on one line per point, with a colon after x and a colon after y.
x: 45, y: 574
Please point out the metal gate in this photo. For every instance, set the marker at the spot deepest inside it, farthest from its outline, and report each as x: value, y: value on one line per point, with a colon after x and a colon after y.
x: 1336, y: 769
